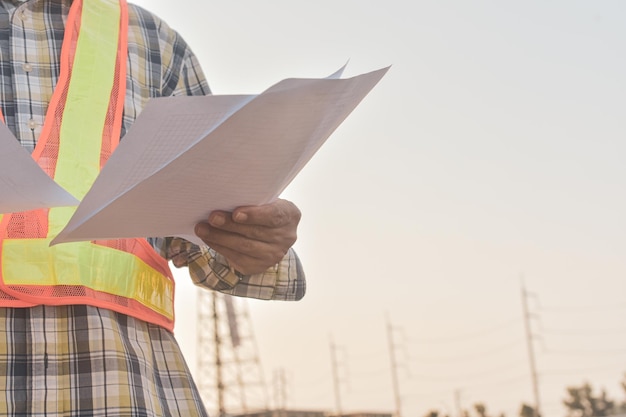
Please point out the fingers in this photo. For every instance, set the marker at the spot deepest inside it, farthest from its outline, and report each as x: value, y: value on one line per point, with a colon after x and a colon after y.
x: 277, y: 214
x: 246, y: 255
x: 215, y: 231
x: 269, y: 249
x: 252, y: 238
x: 251, y: 261
x: 274, y: 223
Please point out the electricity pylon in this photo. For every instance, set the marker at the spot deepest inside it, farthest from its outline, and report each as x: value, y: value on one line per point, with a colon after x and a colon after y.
x: 230, y: 377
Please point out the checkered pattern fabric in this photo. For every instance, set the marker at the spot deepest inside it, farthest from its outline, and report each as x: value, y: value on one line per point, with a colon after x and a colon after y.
x: 159, y: 63
x: 83, y: 360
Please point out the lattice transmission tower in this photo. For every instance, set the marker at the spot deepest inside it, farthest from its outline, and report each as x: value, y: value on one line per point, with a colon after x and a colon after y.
x: 230, y: 377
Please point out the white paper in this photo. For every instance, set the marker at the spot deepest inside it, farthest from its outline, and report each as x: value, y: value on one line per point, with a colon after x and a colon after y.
x: 185, y: 157
x: 23, y: 184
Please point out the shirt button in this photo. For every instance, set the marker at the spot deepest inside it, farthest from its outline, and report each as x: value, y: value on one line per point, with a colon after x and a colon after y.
x: 32, y: 124
x: 28, y: 67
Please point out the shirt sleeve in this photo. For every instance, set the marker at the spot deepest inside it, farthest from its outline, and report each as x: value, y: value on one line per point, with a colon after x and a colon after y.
x: 207, y: 268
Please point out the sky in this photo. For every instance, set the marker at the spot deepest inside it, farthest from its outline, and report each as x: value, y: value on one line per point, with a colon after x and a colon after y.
x: 489, y: 157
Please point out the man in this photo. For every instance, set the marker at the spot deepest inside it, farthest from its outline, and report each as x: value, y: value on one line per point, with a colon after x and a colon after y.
x: 85, y: 328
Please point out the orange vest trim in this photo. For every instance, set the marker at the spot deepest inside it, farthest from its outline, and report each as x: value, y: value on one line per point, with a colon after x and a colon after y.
x: 124, y: 275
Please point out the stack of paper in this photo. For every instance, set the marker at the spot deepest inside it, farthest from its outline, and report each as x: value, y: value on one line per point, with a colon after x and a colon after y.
x: 23, y: 184
x: 187, y: 156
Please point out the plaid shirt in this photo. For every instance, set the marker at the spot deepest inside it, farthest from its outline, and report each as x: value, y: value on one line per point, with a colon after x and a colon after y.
x: 89, y: 361
x: 159, y: 64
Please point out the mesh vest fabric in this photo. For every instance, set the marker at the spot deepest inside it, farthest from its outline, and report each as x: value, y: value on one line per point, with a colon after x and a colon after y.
x: 81, y: 131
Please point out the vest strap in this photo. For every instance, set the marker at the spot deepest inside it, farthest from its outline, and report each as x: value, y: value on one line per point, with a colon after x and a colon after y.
x: 33, y: 263
x: 81, y: 130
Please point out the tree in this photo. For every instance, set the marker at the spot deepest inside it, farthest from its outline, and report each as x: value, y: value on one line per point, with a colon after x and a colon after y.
x: 527, y: 411
x: 582, y: 402
x: 481, y: 410
x: 621, y: 408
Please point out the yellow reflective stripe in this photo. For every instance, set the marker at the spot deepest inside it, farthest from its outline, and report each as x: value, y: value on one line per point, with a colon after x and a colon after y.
x: 88, y: 99
x: 33, y: 262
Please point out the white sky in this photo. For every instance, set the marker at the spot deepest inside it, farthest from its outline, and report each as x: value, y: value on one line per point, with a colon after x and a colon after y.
x: 493, y: 149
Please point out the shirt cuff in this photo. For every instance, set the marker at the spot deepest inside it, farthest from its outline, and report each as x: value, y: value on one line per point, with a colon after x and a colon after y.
x: 207, y: 268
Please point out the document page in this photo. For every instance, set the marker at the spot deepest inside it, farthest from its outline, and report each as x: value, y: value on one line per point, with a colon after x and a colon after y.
x: 23, y: 184
x: 187, y: 156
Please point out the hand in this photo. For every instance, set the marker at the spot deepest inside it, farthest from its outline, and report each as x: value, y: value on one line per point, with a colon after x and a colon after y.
x: 252, y: 238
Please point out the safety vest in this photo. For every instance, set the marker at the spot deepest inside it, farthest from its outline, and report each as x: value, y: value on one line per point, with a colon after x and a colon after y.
x: 81, y: 130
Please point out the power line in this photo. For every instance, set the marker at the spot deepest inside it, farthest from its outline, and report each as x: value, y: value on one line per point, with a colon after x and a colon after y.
x: 280, y: 389
x: 531, y: 353
x: 468, y: 376
x: 322, y: 380
x: 368, y: 355
x: 333, y: 356
x: 456, y: 378
x: 466, y: 336
x: 459, y: 358
x: 369, y: 374
x: 586, y: 352
x: 501, y: 382
x: 230, y: 374
x: 582, y: 309
x: 582, y: 332
x: 594, y: 370
x: 394, y: 370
